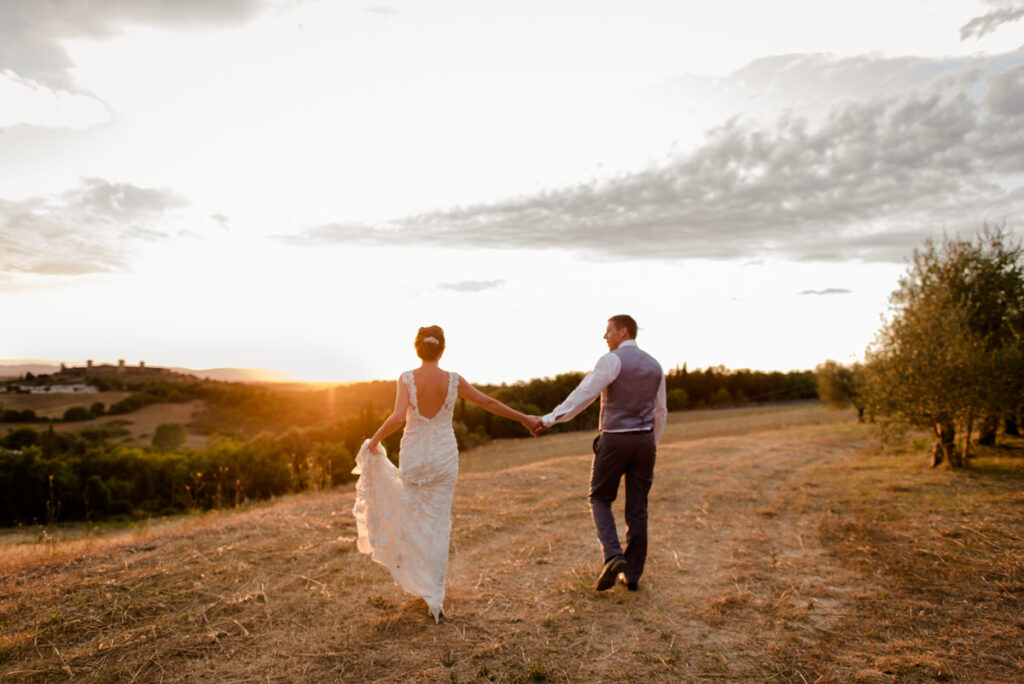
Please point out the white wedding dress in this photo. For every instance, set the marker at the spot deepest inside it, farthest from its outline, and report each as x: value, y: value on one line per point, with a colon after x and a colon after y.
x: 403, y: 514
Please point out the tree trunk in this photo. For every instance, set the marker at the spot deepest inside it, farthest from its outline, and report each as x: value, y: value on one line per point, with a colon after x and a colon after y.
x: 966, y: 453
x: 987, y: 430
x: 1011, y: 424
x: 860, y: 414
x: 945, y: 444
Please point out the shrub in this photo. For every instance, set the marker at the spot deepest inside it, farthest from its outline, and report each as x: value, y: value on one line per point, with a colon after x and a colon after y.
x: 169, y: 436
x: 21, y: 438
x: 677, y: 399
x: 76, y: 413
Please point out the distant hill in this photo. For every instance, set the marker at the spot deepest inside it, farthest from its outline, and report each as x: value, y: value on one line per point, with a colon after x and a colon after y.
x: 19, y: 367
x: 238, y: 374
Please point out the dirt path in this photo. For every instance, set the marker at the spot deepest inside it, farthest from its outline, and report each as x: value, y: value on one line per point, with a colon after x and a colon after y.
x: 736, y: 579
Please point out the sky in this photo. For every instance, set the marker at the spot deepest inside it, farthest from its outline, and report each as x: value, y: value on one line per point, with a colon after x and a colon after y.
x: 300, y: 184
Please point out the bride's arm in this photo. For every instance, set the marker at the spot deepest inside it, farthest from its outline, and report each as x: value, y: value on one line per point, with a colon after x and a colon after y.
x: 470, y: 393
x: 395, y: 420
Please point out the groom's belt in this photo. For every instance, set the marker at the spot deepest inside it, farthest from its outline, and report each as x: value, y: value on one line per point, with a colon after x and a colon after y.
x: 629, y: 432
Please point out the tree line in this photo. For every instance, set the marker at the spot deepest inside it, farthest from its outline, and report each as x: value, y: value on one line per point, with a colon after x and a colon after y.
x: 72, y: 415
x: 264, y: 442
x: 48, y: 475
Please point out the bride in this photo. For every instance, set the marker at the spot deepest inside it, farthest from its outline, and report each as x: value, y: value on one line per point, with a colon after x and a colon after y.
x: 403, y: 514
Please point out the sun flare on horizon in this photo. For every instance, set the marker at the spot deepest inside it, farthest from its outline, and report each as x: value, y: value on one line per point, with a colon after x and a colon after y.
x: 299, y: 186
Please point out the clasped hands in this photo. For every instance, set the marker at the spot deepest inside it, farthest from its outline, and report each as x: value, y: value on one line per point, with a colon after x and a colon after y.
x: 535, y: 424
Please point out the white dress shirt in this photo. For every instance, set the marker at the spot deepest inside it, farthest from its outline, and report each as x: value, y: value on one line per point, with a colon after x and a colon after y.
x: 605, y: 371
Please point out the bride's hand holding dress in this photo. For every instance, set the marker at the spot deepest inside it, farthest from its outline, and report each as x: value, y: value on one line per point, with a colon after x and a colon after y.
x: 403, y: 513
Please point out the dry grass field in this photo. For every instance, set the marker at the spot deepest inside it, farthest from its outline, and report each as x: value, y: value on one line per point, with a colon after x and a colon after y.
x: 797, y: 551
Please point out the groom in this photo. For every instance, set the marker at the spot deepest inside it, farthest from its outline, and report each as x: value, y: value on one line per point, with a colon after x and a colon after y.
x: 633, y: 412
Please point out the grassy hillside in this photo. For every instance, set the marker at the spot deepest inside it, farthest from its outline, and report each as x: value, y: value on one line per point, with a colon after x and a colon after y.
x: 139, y: 425
x: 801, y: 553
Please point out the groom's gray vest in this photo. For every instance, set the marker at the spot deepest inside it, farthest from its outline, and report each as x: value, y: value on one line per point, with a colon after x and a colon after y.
x: 628, y: 402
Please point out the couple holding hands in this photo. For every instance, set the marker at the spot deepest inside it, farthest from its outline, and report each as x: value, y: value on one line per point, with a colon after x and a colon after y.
x: 403, y: 513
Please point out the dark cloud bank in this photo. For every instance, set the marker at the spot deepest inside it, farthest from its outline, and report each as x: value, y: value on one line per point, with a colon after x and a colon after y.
x: 869, y: 183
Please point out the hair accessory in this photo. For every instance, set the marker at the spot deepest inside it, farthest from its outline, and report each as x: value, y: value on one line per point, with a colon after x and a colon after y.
x: 431, y: 339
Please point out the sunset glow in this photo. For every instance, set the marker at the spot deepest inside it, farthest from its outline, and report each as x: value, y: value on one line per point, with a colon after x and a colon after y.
x: 300, y: 185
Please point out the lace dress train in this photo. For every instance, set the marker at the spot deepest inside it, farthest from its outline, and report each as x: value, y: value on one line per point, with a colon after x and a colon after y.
x: 403, y: 514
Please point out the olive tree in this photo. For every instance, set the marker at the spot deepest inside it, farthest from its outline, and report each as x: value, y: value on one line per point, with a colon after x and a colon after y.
x: 840, y: 386
x: 950, y: 356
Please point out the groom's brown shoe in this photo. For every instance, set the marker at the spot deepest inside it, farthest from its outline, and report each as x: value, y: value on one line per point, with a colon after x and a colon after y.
x: 612, y: 568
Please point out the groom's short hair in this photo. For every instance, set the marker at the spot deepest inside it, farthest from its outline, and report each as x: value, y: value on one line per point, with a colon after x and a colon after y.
x: 623, y: 321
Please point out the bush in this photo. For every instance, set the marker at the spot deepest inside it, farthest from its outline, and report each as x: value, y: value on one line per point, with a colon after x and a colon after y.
x: 169, y: 436
x: 677, y: 399
x: 721, y: 397
x: 14, y: 416
x: 21, y: 438
x: 76, y: 413
x: 96, y: 496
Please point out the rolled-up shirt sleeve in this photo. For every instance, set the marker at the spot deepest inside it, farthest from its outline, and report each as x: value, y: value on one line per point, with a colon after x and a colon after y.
x: 660, y: 412
x: 605, y: 371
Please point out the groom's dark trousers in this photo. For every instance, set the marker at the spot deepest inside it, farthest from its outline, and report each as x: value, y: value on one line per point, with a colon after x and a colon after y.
x: 617, y: 454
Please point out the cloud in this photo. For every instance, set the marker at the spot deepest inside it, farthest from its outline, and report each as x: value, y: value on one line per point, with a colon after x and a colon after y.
x: 472, y: 285
x: 31, y: 31
x: 827, y: 291
x: 91, y: 229
x: 868, y: 183
x: 1006, y: 12
x: 28, y: 102
x: 381, y: 10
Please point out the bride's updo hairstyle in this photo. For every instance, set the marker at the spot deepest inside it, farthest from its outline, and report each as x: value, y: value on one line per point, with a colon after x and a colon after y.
x: 430, y: 343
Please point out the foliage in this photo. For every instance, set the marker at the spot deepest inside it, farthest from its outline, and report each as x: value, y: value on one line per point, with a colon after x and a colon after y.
x: 840, y: 385
x: 169, y: 436
x: 264, y: 441
x: 156, y: 392
x: 677, y: 399
x: 76, y: 413
x: 953, y: 352
x: 704, y: 388
x: 15, y: 416
x: 41, y: 472
x: 835, y: 383
x: 685, y: 389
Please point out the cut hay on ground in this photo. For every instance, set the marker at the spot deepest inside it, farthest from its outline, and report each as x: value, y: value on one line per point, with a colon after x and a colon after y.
x: 800, y: 554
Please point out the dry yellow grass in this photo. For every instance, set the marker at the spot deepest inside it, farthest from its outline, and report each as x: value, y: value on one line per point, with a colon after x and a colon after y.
x: 798, y: 554
x: 682, y: 426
